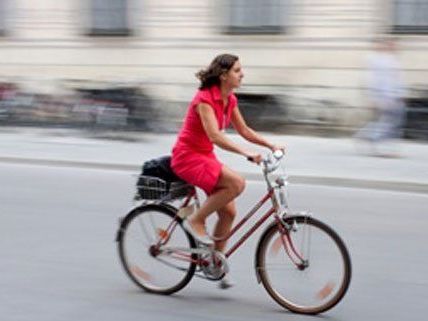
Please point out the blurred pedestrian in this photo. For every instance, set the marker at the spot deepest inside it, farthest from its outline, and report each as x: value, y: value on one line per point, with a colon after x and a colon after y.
x: 385, y: 94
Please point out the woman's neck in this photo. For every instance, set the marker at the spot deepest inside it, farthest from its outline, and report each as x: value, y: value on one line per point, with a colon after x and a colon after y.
x: 225, y: 92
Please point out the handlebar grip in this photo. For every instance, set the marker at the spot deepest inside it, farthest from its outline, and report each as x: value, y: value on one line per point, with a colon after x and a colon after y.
x: 279, y: 153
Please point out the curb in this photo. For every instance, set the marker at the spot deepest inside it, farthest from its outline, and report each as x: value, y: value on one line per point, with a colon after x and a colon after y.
x: 397, y: 186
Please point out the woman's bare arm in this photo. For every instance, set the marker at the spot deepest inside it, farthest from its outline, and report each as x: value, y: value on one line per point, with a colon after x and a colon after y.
x: 246, y: 132
x: 209, y: 122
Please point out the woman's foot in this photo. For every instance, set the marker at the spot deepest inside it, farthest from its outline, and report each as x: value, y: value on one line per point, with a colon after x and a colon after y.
x: 226, y: 282
x: 200, y: 238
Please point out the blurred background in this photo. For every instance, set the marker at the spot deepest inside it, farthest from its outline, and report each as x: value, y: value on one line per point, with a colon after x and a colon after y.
x: 90, y: 89
x: 130, y: 64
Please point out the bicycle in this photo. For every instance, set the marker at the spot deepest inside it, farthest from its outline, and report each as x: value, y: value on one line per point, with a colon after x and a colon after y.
x: 302, y: 263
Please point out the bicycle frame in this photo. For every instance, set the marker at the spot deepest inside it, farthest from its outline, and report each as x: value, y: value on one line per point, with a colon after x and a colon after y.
x: 254, y: 210
x: 274, y: 210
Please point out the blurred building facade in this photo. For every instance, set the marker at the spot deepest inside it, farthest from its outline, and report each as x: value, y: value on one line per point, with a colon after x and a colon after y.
x: 312, y: 51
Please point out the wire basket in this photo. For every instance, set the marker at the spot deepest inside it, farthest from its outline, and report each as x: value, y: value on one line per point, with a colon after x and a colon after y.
x: 154, y: 188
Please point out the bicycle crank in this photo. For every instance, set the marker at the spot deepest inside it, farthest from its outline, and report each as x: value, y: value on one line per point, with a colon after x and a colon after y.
x: 214, y: 265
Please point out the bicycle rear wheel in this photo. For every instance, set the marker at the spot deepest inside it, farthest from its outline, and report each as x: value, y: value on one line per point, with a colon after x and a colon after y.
x: 155, y: 250
x: 307, y: 269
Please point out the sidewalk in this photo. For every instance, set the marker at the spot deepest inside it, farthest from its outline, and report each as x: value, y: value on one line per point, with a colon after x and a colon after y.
x: 311, y: 160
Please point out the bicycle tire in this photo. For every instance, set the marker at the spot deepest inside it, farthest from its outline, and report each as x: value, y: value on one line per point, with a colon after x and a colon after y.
x: 324, y: 293
x: 147, y: 271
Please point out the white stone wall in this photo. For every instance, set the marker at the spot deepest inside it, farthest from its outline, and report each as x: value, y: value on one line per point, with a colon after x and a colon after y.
x: 321, y: 56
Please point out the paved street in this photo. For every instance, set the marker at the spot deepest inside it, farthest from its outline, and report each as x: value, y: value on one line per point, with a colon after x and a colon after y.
x: 62, y: 194
x: 59, y: 259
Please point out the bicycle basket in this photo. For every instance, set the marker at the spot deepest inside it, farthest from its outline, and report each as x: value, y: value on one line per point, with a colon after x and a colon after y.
x: 154, y: 188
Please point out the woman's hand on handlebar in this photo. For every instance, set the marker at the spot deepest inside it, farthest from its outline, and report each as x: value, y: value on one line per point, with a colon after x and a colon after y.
x: 274, y: 148
x: 278, y: 151
x: 258, y: 158
x: 254, y: 157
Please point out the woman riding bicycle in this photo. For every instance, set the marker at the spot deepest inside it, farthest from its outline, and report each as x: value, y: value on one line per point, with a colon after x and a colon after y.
x: 212, y: 109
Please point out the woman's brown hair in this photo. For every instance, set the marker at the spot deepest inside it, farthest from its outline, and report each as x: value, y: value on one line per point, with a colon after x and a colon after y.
x: 220, y: 65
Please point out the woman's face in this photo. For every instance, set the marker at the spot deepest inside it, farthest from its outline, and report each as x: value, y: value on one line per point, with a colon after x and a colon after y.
x: 233, y: 77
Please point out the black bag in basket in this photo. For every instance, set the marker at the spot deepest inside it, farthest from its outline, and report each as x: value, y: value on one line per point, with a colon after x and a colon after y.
x: 161, y: 168
x: 157, y: 180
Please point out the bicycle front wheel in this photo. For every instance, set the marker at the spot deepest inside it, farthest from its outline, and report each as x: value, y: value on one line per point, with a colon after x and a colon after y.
x: 155, y: 250
x: 307, y: 268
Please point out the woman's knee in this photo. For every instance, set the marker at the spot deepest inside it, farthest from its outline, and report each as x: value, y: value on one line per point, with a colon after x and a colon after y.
x: 241, y: 184
x: 238, y: 185
x: 232, y: 181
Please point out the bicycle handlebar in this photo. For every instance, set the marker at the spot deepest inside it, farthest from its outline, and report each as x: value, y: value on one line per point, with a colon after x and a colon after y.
x: 271, y: 161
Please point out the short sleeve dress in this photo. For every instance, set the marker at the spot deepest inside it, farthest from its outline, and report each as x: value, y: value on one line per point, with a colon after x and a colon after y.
x: 193, y: 158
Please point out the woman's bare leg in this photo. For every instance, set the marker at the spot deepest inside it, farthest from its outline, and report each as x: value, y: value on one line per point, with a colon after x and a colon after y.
x: 229, y: 186
x: 226, y: 215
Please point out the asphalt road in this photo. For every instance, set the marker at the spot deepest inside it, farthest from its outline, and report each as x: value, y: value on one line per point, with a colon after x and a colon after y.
x: 59, y: 259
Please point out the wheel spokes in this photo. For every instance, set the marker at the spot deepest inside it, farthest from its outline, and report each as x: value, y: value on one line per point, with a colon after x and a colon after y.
x: 147, y: 258
x: 304, y: 268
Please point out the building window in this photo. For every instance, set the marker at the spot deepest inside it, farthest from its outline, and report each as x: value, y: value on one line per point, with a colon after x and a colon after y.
x: 109, y: 18
x: 255, y: 16
x: 410, y: 16
x: 3, y: 16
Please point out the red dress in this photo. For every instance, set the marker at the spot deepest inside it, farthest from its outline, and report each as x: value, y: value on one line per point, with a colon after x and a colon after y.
x: 193, y: 158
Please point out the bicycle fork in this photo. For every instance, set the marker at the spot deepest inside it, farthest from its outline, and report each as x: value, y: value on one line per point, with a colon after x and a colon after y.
x: 285, y: 241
